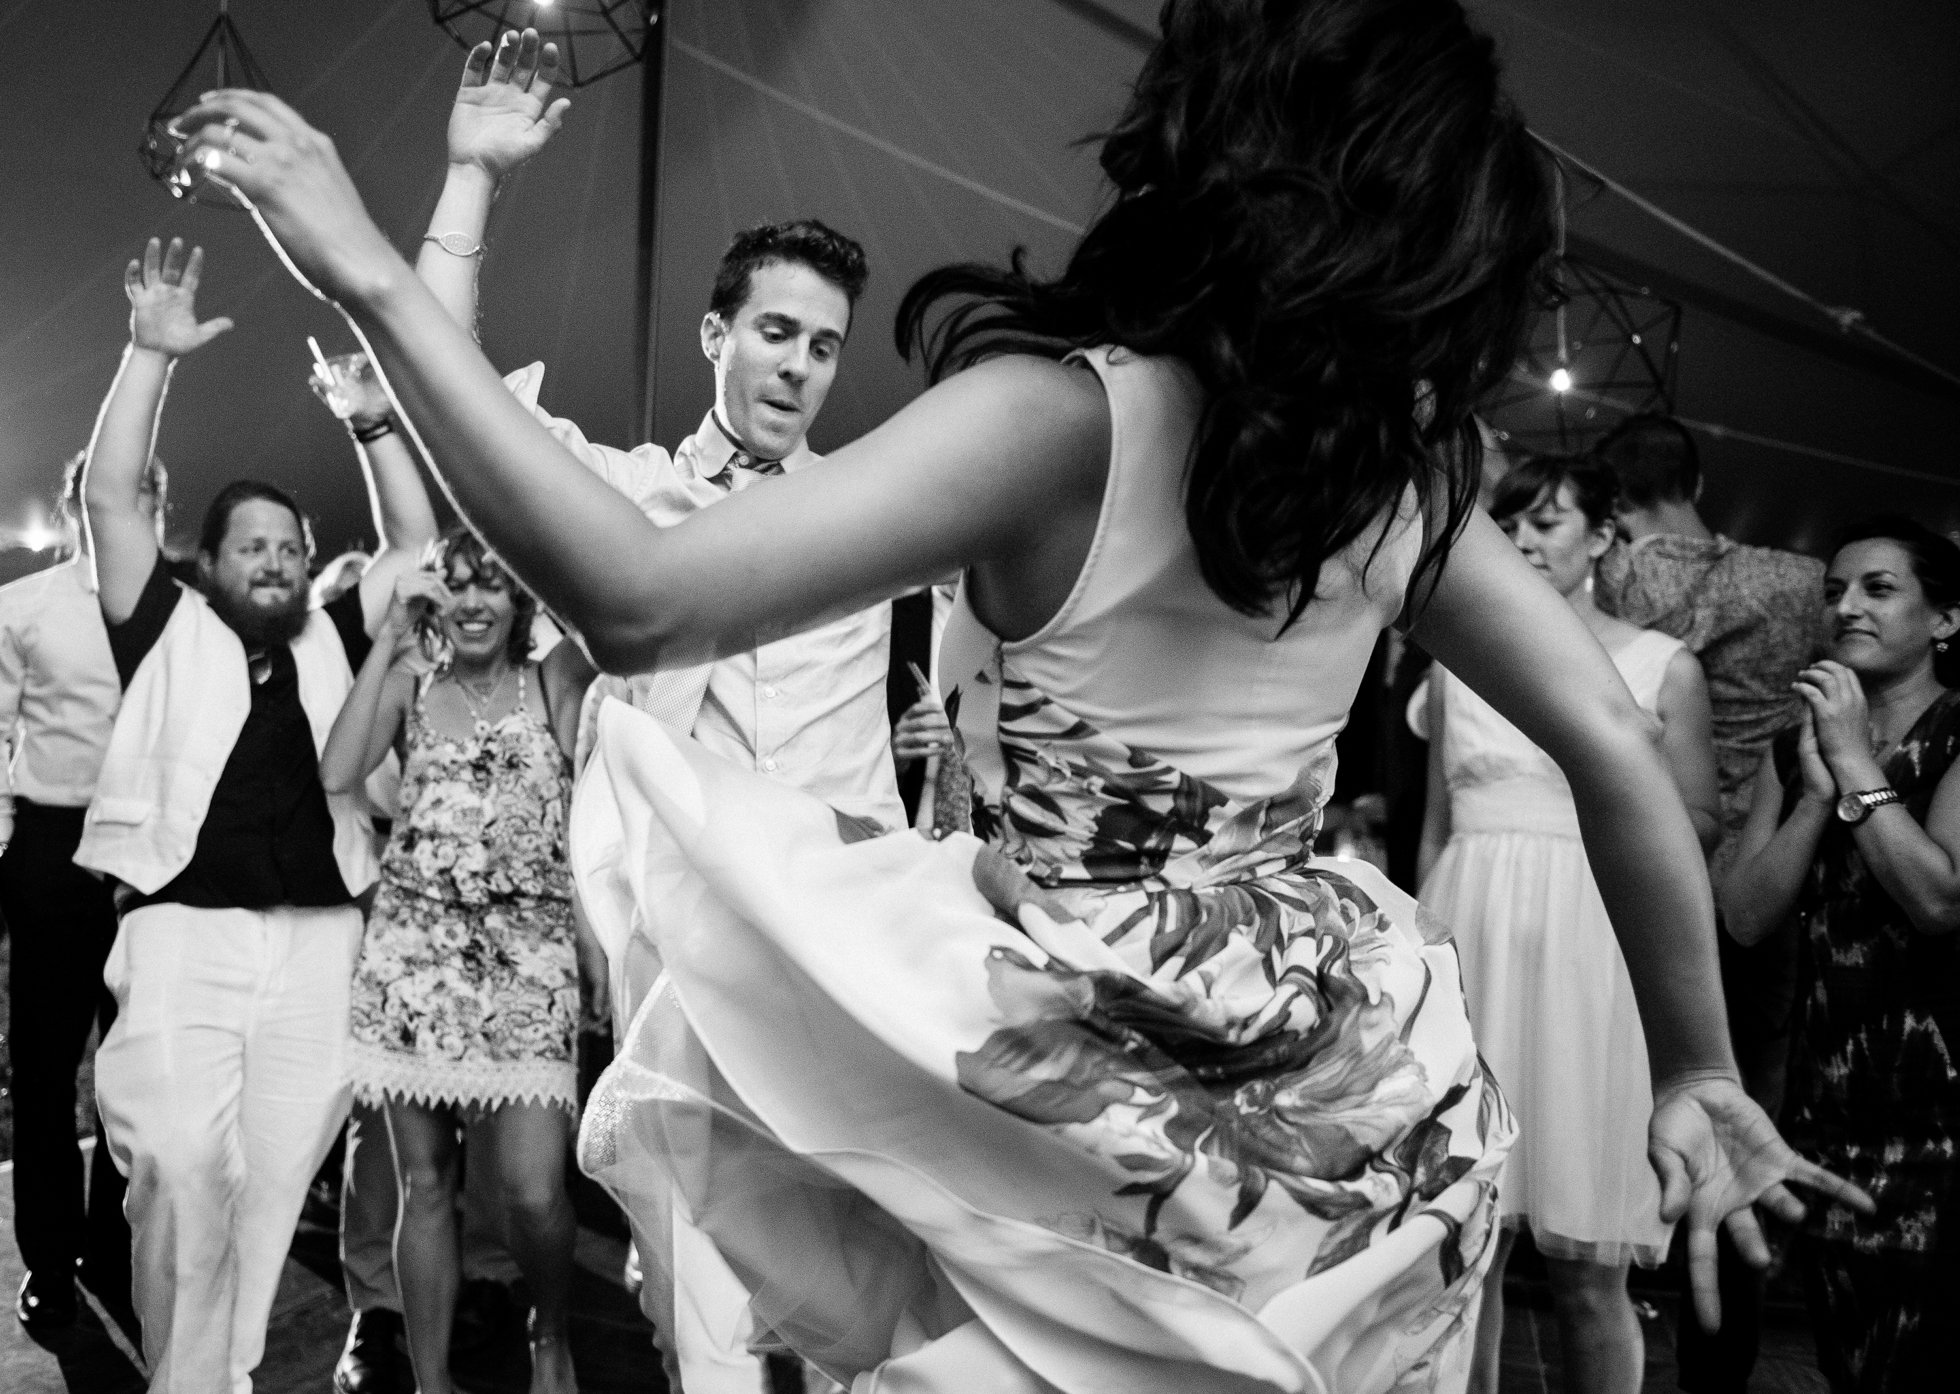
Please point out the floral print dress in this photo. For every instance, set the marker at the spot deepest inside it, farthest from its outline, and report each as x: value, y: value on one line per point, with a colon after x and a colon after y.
x: 466, y: 994
x: 1111, y: 1084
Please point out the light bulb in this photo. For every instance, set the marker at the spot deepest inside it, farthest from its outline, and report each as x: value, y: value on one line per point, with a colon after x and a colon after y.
x: 37, y: 537
x: 1561, y: 380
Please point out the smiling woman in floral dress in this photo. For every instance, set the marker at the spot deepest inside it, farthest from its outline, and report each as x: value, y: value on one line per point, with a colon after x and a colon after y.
x: 466, y: 996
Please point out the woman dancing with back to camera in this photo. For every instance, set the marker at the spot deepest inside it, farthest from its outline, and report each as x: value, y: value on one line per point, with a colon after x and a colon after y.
x: 1131, y: 1094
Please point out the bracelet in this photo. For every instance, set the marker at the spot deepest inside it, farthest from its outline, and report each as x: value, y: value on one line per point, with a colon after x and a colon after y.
x: 373, y: 431
x: 457, y: 244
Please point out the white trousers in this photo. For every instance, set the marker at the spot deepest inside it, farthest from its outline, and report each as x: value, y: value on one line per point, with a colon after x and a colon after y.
x: 711, y: 1330
x: 221, y: 1084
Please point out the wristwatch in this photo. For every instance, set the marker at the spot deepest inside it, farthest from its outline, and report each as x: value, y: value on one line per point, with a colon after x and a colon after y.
x: 1856, y: 808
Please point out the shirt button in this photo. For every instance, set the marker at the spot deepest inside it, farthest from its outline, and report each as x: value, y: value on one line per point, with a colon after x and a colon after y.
x: 769, y: 765
x: 768, y: 692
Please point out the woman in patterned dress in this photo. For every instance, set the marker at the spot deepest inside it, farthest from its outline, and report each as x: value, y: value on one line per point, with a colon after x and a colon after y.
x: 1873, y: 882
x: 466, y: 994
x: 1126, y: 1092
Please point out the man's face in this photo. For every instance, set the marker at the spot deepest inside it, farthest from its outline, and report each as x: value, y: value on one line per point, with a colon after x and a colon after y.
x: 257, y: 581
x: 776, y: 355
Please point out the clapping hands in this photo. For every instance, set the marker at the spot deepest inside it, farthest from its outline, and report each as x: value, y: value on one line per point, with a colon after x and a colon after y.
x: 162, y: 290
x: 504, y: 113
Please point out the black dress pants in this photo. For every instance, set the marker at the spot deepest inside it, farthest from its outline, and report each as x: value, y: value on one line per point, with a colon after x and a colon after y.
x: 62, y: 922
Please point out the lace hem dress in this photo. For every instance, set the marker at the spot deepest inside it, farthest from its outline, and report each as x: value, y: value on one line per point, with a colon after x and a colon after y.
x: 466, y: 994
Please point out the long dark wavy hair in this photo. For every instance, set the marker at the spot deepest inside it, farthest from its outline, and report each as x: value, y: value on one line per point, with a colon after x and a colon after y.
x: 1330, y: 211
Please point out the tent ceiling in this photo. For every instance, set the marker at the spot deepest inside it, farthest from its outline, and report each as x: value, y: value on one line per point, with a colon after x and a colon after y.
x: 1821, y: 141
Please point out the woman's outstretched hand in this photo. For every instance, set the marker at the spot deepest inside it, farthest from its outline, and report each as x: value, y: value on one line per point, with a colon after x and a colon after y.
x: 1718, y: 1155
x: 504, y: 113
x: 300, y: 194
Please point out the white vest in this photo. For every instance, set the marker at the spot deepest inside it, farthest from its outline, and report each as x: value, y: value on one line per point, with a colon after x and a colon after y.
x: 180, y: 718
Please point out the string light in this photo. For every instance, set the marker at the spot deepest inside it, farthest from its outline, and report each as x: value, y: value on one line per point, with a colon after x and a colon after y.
x: 1561, y: 380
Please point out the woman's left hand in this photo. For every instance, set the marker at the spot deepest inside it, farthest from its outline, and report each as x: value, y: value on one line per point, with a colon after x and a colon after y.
x: 299, y: 192
x: 1717, y: 1154
x: 1837, y: 704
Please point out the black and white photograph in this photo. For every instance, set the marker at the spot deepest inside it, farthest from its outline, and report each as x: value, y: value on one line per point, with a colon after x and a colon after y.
x: 1042, y: 697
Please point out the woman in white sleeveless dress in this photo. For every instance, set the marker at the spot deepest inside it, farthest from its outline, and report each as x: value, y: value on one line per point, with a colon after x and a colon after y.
x: 1120, y: 1091
x: 1550, y: 999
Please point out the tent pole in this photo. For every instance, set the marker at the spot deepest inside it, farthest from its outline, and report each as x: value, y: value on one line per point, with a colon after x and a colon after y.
x: 646, y: 344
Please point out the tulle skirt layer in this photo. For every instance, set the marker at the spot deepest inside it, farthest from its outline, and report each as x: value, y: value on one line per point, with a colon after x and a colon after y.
x: 1553, y: 1011
x: 801, y: 1091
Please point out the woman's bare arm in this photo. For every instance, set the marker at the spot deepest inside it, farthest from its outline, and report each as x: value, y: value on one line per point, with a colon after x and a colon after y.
x: 565, y: 673
x: 1688, y: 745
x: 1002, y: 464
x: 369, y: 721
x: 1760, y: 889
x: 1919, y: 867
x: 1436, y: 805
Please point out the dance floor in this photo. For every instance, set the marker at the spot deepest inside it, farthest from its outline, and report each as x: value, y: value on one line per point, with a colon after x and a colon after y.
x: 612, y: 1343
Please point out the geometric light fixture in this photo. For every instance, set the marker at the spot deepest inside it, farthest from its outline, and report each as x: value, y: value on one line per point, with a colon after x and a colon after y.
x: 1606, y: 350
x: 221, y: 60
x: 595, y: 37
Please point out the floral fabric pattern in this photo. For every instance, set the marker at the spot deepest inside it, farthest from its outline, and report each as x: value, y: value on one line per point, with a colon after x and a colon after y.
x: 1875, y: 1074
x: 467, y: 988
x: 1247, y: 1036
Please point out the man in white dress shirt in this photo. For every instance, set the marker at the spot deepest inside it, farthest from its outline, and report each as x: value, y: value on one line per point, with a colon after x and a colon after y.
x: 808, y: 709
x: 58, y: 698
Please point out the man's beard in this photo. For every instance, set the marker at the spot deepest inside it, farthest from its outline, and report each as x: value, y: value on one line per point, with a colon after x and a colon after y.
x: 259, y: 625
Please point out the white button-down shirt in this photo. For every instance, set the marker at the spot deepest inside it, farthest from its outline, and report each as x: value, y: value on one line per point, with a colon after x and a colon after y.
x: 58, y: 689
x: 807, y: 709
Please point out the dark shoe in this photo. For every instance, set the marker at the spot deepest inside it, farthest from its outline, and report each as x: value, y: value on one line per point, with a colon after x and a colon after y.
x: 44, y: 1303
x: 109, y: 1280
x: 371, y: 1362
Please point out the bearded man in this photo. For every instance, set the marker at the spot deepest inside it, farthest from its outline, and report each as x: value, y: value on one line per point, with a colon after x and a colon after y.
x: 221, y: 1082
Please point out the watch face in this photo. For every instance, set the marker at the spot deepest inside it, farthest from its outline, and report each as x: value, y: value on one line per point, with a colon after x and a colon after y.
x: 1851, y: 808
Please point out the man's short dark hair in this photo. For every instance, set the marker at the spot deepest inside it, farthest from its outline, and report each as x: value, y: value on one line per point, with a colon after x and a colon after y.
x: 806, y: 242
x: 1655, y: 458
x: 217, y: 518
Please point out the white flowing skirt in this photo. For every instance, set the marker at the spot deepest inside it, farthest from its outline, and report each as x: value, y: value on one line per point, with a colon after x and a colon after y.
x: 788, y: 1090
x: 1553, y: 1012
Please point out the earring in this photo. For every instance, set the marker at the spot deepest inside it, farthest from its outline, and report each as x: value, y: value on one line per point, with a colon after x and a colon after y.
x: 1940, y: 646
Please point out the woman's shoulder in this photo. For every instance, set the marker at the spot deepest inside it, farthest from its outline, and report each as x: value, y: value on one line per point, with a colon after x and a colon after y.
x: 1938, y: 732
x: 1632, y: 646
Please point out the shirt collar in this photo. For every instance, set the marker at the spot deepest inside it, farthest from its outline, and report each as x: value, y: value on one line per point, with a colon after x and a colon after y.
x: 710, y: 450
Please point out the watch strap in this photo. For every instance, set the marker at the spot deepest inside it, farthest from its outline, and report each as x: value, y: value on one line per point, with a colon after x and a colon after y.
x: 1869, y: 799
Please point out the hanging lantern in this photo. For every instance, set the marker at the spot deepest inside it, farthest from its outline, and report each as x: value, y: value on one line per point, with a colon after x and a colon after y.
x: 221, y: 60
x: 1607, y: 350
x: 595, y: 38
